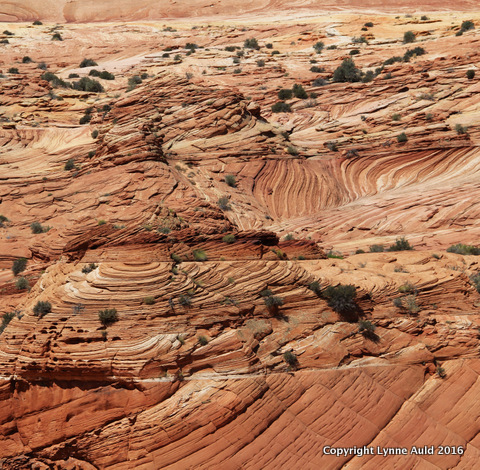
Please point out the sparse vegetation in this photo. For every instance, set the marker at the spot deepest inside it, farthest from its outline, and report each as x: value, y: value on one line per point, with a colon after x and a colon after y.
x: 231, y: 181
x: 341, y: 298
x: 316, y: 288
x: 223, y: 203
x: 401, y: 244
x: 22, y: 283
x: 462, y: 249
x: 470, y: 74
x: 6, y: 319
x: 13, y: 70
x: 409, y: 37
x: 415, y: 52
x: 467, y: 26
x: 200, y: 255
x: 292, y: 150
x: 459, y: 129
x: 69, y: 165
x: 318, y: 46
x: 230, y: 238
x: 396, y: 117
x: 285, y: 94
x: 87, y: 63
x: 108, y: 316
x: 347, y: 72
x: 402, y: 137
x: 42, y: 308
x: 88, y: 268
x: 281, y: 107
x: 273, y: 302
x: 185, y: 300
x: 202, y: 340
x: 367, y: 329
x: 290, y: 359
x: 149, y: 300
x: 299, y: 91
x: 103, y: 74
x: 37, y: 227
x: 376, y: 248
x: 57, y: 37
x: 251, y: 43
x: 19, y: 265
x: 26, y: 60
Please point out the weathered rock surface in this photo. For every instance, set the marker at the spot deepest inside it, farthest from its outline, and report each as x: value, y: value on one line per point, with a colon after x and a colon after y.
x: 205, y: 221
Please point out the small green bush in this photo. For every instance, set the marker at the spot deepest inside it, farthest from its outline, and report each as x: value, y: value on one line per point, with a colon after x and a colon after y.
x: 177, y: 259
x: 202, y: 340
x: 408, y: 37
x: 401, y: 244
x: 281, y: 107
x: 470, y: 74
x: 42, y: 308
x: 402, y: 137
x: 417, y: 51
x: 341, y: 298
x: 231, y: 181
x: 185, y: 300
x: 424, y: 17
x: 290, y: 359
x: 475, y: 280
x: 299, y: 92
x: 26, y: 60
x: 347, y: 72
x: 19, y: 265
x: 316, y: 288
x: 230, y: 238
x: 462, y: 249
x: 260, y: 63
x: 285, y: 94
x: 89, y: 85
x: 57, y: 37
x: 148, y: 300
x: 223, y: 203
x: 251, y: 43
x: 318, y: 46
x: 354, y: 52
x: 108, y: 316
x: 200, y: 255
x: 367, y: 328
x: 88, y: 268
x: 6, y: 319
x: 22, y: 283
x: 460, y: 129
x: 396, y: 117
x: 88, y: 63
x: 37, y: 227
x: 292, y: 150
x: 369, y: 24
x: 273, y: 302
x: 69, y: 165
x: 37, y: 23
x: 467, y: 25
x: 13, y: 70
x: 376, y: 248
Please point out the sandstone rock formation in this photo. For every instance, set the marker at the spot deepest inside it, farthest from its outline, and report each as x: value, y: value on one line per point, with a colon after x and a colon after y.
x: 214, y: 227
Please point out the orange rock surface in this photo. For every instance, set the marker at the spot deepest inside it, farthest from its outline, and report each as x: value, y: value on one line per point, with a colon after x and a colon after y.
x: 178, y: 198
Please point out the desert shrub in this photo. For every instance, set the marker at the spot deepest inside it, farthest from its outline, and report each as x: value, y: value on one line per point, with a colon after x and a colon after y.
x: 354, y: 52
x: 366, y: 327
x: 281, y: 107
x: 3, y: 219
x: 192, y: 46
x: 251, y: 43
x: 470, y: 74
x: 108, y: 316
x: 290, y: 359
x: 231, y: 181
x: 6, y: 319
x: 26, y: 60
x: 19, y: 265
x: 176, y: 258
x: 260, y: 63
x: 401, y: 244
x: 55, y: 81
x: 402, y: 137
x: 299, y: 92
x: 88, y: 63
x: 275, y: 52
x: 13, y: 70
x: 148, y: 300
x: 341, y: 298
x: 185, y: 300
x: 392, y: 60
x: 332, y: 47
x: 21, y: 283
x: 467, y: 25
x: 202, y: 340
x: 42, y: 66
x: 88, y: 84
x: 88, y: 268
x: 289, y: 236
x: 272, y: 302
x: 102, y: 222
x: 103, y: 74
x: 369, y: 24
x: 460, y: 129
x: 200, y: 255
x: 266, y: 293
x: 69, y: 165
x: 292, y: 150
x: 462, y: 249
x: 316, y: 288
x: 424, y: 17
x: 316, y: 69
x: 332, y: 146
x: 368, y: 77
x: 230, y: 48
x: 417, y: 51
x: 347, y: 72
x: 42, y: 308
x: 37, y: 227
x: 396, y: 117
x: 408, y: 37
x: 230, y: 238
x: 236, y: 60
x: 285, y: 94
x: 409, y: 303
x: 95, y: 134
x: 37, y: 23
x: 73, y: 75
x: 475, y: 280
x: 407, y: 288
x: 57, y: 37
x: 376, y: 248
x: 318, y: 46
x: 441, y: 372
x: 319, y: 82
x: 359, y: 251
x: 359, y: 40
x: 223, y: 203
